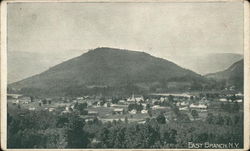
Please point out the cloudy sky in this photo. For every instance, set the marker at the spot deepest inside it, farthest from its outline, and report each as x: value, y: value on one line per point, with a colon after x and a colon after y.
x: 161, y: 29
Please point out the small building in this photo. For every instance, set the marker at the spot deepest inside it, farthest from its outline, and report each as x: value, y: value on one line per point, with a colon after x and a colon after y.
x: 139, y: 99
x: 178, y: 104
x: 155, y: 107
x: 99, y: 104
x: 67, y: 108
x: 51, y: 109
x: 144, y: 111
x: 239, y: 100
x: 118, y: 111
x: 239, y: 94
x: 133, y: 111
x: 184, y: 103
x: 121, y: 102
x: 107, y: 104
x: 16, y: 102
x: 183, y: 108
x: 223, y: 100
x: 32, y: 109
x: 93, y: 113
x: 199, y: 107
x: 162, y: 99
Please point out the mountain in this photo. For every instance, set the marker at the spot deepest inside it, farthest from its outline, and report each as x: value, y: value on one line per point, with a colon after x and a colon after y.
x: 233, y: 76
x: 109, y: 68
x: 206, y: 63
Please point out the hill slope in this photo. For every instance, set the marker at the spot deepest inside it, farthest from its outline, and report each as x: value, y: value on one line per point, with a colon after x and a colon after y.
x: 22, y: 65
x: 207, y: 63
x: 106, y: 67
x: 233, y: 76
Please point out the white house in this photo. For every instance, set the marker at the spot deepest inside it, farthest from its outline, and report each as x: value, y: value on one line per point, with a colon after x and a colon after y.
x: 199, y: 107
x: 155, y: 107
x: 144, y: 111
x: 183, y: 108
x: 94, y: 113
x: 133, y: 111
x: 239, y: 94
x: 118, y: 111
x: 184, y: 103
x: 223, y: 100
x: 32, y: 109
x: 51, y: 109
x: 239, y: 100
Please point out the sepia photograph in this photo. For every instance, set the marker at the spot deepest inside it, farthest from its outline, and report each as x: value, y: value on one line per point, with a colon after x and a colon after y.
x: 124, y: 75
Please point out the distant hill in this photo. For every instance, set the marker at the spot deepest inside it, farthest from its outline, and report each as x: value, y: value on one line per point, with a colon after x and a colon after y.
x: 233, y: 76
x: 22, y: 65
x: 207, y: 63
x: 109, y: 68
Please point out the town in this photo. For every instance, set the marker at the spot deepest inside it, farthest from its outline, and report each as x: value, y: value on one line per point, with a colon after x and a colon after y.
x: 135, y: 108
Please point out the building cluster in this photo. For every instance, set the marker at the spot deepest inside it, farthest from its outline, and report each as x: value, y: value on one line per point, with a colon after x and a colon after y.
x: 132, y: 105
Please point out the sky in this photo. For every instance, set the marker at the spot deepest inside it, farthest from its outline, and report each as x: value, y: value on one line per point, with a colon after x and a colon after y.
x: 162, y: 29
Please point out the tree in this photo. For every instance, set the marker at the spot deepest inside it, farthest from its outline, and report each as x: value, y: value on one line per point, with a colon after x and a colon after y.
x: 161, y: 119
x: 210, y: 118
x: 235, y: 107
x: 44, y: 101
x: 195, y: 114
x: 81, y: 108
x: 150, y: 113
x: 126, y: 120
x: 75, y: 135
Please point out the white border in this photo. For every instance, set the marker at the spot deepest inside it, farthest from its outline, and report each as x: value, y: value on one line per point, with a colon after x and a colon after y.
x: 3, y: 60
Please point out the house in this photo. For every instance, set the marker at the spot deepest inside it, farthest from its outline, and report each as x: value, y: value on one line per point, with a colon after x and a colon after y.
x: 139, y: 99
x: 118, y: 111
x: 184, y: 103
x: 26, y: 102
x: 162, y: 99
x: 239, y: 100
x: 239, y: 94
x: 79, y: 98
x: 223, y: 100
x: 93, y: 113
x: 51, y: 109
x: 133, y: 111
x: 204, y: 101
x: 155, y: 107
x: 24, y: 99
x: 199, y: 107
x: 32, y: 109
x: 144, y: 105
x: 89, y: 103
x: 121, y: 102
x: 183, y: 108
x: 99, y: 103
x: 178, y: 104
x: 135, y: 99
x: 107, y: 104
x: 144, y: 111
x: 16, y: 102
x: 67, y: 108
x: 131, y: 99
